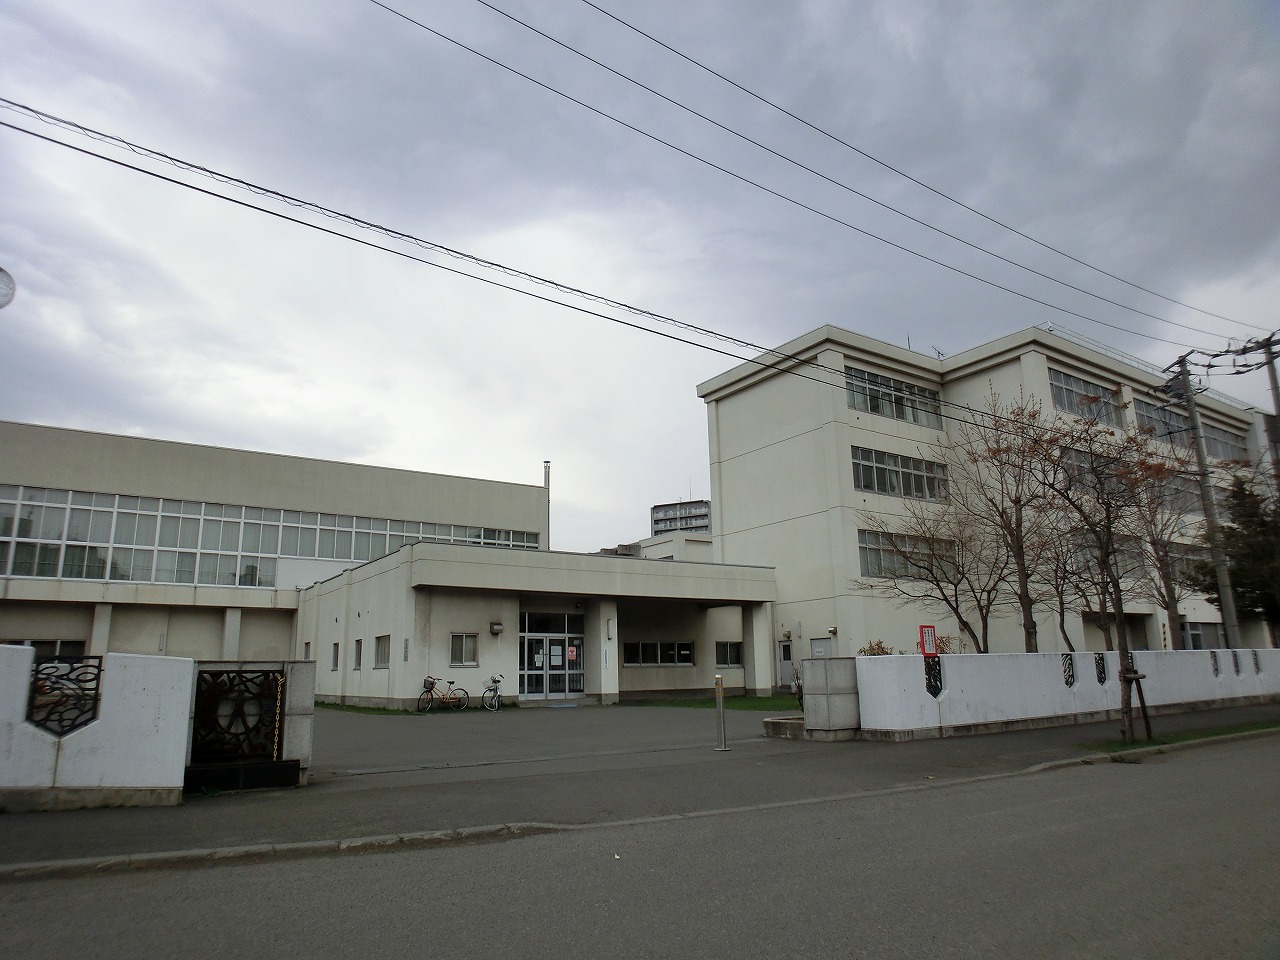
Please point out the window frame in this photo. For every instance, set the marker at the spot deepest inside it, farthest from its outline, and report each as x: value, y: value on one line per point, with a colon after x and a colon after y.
x: 382, y: 652
x: 458, y: 649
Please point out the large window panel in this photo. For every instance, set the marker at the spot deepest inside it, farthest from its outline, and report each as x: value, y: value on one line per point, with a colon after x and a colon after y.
x: 1084, y: 398
x: 890, y: 397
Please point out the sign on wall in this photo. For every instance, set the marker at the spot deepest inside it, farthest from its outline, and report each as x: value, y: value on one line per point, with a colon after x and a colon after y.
x: 928, y: 641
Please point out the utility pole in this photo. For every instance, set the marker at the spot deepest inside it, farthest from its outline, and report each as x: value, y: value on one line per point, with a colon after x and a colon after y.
x: 1273, y: 422
x: 1229, y: 621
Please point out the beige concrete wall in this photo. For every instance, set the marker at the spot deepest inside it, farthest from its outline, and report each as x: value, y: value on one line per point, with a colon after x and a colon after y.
x: 138, y: 629
x: 194, y: 632
x: 45, y: 621
x: 266, y: 635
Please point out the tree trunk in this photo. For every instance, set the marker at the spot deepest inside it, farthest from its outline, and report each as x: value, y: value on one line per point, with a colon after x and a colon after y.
x: 1062, y: 623
x: 1122, y: 647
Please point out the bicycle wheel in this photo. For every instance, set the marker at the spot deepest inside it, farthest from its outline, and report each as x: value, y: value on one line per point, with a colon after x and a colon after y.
x: 425, y: 701
x: 459, y: 698
x: 492, y: 699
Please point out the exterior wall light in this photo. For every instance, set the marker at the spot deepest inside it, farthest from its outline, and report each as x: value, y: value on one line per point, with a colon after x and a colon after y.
x: 495, y: 627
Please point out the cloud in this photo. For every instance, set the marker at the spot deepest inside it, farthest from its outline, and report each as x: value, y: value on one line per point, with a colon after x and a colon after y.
x: 1140, y: 137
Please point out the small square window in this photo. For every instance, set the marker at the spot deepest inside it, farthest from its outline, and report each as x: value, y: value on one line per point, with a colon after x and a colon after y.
x: 463, y: 650
x: 382, y: 652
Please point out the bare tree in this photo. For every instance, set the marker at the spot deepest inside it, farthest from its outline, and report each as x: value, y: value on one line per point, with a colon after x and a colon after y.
x: 1097, y: 472
x: 1165, y: 499
x: 933, y: 555
x: 996, y: 479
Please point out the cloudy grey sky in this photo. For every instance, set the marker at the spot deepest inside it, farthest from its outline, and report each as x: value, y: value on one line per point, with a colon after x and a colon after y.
x: 1140, y: 137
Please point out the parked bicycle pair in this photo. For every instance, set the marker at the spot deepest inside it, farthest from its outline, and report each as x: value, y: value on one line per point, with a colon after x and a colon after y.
x: 457, y: 698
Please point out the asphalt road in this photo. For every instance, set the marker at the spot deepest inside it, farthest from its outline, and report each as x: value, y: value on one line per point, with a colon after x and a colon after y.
x: 1175, y: 857
x: 379, y: 774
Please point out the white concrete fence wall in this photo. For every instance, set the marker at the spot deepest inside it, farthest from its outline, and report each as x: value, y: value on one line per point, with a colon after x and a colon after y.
x: 134, y: 753
x: 137, y: 750
x: 887, y: 697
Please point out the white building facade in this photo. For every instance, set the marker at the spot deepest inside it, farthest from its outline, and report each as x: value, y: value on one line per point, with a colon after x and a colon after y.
x: 381, y: 576
x: 809, y: 456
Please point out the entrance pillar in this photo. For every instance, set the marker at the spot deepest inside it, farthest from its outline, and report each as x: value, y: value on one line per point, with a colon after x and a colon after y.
x: 602, y: 651
x: 231, y: 634
x: 757, y: 649
x: 101, y: 634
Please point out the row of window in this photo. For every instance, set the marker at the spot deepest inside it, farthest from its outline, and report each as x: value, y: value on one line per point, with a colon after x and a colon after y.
x: 464, y: 652
x: 692, y: 509
x: 899, y: 400
x: 1084, y: 397
x: 875, y: 471
x: 889, y: 397
x: 94, y: 536
x: 75, y: 562
x: 649, y: 653
x: 899, y: 556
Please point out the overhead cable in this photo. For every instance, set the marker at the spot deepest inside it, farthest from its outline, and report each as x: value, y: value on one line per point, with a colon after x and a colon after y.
x: 902, y: 173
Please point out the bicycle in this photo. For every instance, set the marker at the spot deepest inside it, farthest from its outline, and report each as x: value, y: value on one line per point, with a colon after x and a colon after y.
x: 492, y: 696
x: 454, y: 697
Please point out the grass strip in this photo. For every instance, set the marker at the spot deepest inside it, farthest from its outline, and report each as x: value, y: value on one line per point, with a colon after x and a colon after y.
x: 1182, y: 736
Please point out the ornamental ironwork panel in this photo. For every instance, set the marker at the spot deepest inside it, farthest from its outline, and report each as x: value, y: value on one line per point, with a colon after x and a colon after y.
x: 1213, y: 658
x: 1235, y: 662
x: 1068, y: 670
x: 239, y: 715
x: 1100, y: 667
x: 64, y: 693
x: 1257, y: 664
x: 933, y: 675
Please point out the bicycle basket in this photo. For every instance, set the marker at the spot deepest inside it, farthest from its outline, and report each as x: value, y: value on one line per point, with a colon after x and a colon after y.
x: 429, y: 683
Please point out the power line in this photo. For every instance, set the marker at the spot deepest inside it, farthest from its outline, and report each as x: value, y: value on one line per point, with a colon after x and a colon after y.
x: 781, y: 196
x: 778, y: 356
x: 330, y: 213
x: 901, y: 173
x: 831, y: 180
x: 310, y: 206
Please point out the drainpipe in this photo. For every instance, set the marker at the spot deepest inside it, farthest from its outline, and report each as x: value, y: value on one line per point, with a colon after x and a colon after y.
x: 546, y: 482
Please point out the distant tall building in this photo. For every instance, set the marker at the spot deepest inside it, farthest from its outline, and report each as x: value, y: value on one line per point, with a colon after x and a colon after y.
x: 693, y: 516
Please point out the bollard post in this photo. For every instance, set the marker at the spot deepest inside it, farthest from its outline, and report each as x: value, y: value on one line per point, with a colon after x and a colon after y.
x: 722, y: 743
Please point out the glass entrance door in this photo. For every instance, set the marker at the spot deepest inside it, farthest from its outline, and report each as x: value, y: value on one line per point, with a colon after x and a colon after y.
x: 551, y: 668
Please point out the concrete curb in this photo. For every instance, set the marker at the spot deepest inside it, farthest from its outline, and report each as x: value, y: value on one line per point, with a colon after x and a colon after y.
x: 93, y: 866
x: 498, y: 833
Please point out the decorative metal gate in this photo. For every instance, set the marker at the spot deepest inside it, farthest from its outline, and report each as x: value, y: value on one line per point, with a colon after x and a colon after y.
x: 239, y: 716
x: 64, y: 693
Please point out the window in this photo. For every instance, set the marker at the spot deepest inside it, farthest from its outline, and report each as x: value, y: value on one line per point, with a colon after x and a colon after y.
x: 462, y: 650
x: 887, y: 397
x: 1224, y: 445
x: 900, y: 555
x: 335, y: 657
x: 897, y: 476
x: 51, y: 648
x: 1201, y: 636
x: 207, y: 543
x: 382, y: 652
x: 657, y: 653
x: 359, y: 654
x: 1083, y: 397
x: 1164, y: 424
x: 728, y: 654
